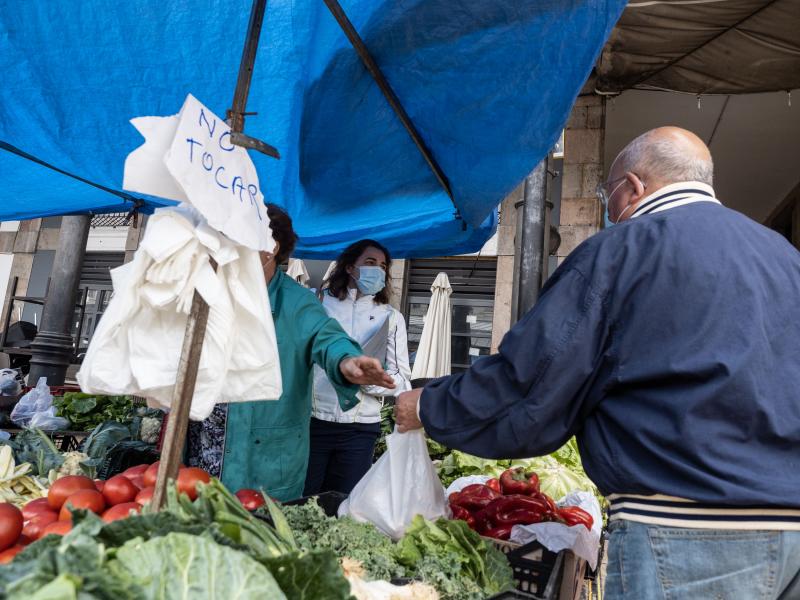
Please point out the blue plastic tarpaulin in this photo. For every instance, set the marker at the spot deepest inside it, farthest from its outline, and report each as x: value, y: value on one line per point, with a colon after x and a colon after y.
x: 488, y: 84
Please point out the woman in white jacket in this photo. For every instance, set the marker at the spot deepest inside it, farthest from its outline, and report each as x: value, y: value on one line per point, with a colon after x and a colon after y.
x: 356, y: 295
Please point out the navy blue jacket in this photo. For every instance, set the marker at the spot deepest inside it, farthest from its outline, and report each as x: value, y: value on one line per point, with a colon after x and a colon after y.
x: 670, y: 345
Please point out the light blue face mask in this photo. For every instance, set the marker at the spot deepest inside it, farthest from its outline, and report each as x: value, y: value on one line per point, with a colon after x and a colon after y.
x: 371, y: 280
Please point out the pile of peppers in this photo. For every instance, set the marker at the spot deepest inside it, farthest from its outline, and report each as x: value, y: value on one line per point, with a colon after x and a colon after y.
x: 493, y: 508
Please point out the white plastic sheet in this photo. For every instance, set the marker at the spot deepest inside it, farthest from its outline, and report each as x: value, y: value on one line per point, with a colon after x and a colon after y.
x: 35, y: 409
x: 400, y: 485
x: 137, y: 344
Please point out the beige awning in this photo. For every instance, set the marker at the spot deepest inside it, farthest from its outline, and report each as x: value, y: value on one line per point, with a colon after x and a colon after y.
x: 703, y: 47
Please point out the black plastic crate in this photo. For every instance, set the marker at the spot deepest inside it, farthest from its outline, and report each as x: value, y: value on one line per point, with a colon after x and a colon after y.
x: 537, y: 571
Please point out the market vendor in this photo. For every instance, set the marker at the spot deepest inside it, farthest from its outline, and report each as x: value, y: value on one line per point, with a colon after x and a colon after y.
x: 670, y: 345
x: 265, y: 444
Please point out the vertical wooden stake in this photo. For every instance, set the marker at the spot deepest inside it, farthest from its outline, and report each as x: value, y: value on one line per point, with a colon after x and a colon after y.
x: 178, y: 422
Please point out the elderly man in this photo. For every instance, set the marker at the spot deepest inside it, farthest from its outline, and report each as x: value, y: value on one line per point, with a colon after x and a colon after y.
x: 670, y: 345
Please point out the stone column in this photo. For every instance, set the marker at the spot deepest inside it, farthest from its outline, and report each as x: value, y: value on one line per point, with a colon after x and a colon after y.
x: 584, y: 139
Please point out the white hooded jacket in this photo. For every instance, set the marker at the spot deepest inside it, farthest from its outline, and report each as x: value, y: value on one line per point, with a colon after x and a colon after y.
x: 362, y: 317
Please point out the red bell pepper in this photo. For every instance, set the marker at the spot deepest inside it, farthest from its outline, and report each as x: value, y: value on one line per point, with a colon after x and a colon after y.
x: 475, y: 496
x: 482, y: 522
x: 463, y: 514
x: 519, y: 481
x: 574, y: 515
x: 501, y: 532
x: 516, y: 509
x: 494, y: 483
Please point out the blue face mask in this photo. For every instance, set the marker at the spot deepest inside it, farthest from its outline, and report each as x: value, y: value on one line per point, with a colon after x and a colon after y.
x: 371, y: 280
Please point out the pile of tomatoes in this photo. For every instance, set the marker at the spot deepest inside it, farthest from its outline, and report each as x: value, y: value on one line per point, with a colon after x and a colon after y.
x: 114, y: 499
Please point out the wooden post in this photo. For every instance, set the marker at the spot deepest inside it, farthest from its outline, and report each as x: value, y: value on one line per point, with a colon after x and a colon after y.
x: 178, y: 422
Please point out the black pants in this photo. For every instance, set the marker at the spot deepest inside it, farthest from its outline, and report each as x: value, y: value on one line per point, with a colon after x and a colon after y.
x: 341, y: 453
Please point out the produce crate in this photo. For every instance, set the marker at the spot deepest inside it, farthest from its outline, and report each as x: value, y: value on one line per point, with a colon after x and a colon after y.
x: 542, y: 574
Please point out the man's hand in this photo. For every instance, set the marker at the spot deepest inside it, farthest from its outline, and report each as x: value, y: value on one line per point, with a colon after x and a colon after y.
x: 405, y: 411
x: 363, y: 370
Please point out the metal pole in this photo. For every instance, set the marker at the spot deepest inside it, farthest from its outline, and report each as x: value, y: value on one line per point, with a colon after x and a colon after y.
x: 531, y: 247
x: 53, y: 346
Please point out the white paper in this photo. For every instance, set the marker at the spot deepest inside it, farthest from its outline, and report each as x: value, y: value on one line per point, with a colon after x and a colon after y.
x: 474, y: 352
x: 472, y: 319
x: 189, y: 157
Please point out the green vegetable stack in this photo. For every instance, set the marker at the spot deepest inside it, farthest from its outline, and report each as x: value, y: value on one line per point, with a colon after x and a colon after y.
x: 86, y: 411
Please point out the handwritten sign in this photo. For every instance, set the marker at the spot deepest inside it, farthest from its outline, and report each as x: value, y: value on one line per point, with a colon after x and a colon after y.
x: 190, y: 157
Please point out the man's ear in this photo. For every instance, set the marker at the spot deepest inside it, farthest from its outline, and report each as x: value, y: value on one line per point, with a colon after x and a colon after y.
x: 638, y: 187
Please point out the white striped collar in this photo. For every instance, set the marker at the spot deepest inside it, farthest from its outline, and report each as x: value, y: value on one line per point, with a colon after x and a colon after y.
x: 674, y: 195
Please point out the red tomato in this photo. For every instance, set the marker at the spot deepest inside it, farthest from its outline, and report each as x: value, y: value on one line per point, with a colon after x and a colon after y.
x: 121, y: 511
x: 35, y: 526
x: 250, y: 499
x: 135, y: 471
x: 6, y: 556
x: 66, y: 486
x: 99, y: 484
x: 89, y: 499
x: 145, y: 495
x: 188, y: 479
x: 23, y: 540
x: 57, y: 528
x: 138, y: 481
x: 150, y: 474
x: 11, y: 521
x: 35, y: 507
x: 119, y: 489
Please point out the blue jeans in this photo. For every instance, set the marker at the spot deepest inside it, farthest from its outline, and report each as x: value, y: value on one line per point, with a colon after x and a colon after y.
x: 649, y: 562
x: 341, y: 454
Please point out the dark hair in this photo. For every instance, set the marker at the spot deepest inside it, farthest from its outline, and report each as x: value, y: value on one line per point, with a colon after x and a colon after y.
x: 283, y: 233
x: 338, y: 282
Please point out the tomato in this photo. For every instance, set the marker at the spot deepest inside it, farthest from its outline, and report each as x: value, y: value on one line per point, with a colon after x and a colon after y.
x: 151, y: 474
x: 66, y: 486
x: 99, y: 484
x: 119, y: 489
x: 121, y: 511
x: 24, y: 540
x: 11, y: 521
x: 188, y: 479
x: 88, y: 499
x: 135, y: 471
x: 145, y: 495
x: 6, y: 556
x: 35, y: 526
x: 35, y: 507
x: 57, y: 528
x: 250, y: 499
x: 138, y: 481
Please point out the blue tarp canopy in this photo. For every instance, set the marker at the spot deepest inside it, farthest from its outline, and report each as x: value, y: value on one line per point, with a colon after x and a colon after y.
x: 487, y: 83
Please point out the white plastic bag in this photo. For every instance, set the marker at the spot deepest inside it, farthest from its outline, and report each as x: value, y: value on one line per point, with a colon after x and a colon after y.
x: 35, y: 409
x: 400, y: 485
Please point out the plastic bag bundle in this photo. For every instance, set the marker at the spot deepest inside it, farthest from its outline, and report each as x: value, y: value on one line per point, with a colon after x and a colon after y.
x: 400, y: 485
x: 35, y: 409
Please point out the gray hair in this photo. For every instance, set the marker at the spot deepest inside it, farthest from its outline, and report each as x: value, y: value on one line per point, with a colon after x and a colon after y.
x: 666, y: 158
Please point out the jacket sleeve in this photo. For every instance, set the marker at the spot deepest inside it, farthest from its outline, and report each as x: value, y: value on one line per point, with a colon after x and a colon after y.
x: 396, y: 360
x: 329, y: 345
x: 528, y: 399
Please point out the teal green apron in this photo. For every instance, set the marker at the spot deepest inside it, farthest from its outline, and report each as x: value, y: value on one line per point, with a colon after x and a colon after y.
x: 267, y: 442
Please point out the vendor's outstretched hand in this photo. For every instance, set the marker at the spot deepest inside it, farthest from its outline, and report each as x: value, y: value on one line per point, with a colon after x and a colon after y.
x: 363, y: 370
x: 405, y: 411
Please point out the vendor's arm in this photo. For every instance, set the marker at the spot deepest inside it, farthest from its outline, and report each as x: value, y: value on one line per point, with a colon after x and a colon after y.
x: 397, y: 366
x: 528, y: 399
x: 339, y: 355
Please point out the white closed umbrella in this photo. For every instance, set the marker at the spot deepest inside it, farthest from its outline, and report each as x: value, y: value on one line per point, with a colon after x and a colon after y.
x: 297, y: 271
x: 433, y: 353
